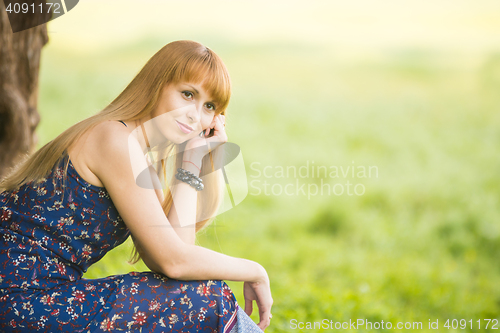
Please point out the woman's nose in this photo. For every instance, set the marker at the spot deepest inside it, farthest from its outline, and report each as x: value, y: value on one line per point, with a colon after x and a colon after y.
x: 193, y: 113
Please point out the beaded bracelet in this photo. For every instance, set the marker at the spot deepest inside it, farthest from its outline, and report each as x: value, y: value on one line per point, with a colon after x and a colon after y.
x: 189, y: 178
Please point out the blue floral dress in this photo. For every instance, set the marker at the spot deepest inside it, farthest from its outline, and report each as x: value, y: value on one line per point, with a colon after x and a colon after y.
x: 50, y: 233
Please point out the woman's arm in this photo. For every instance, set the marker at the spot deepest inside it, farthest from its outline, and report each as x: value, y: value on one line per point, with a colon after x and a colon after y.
x: 183, y: 213
x: 184, y: 199
x: 184, y: 205
x: 112, y: 156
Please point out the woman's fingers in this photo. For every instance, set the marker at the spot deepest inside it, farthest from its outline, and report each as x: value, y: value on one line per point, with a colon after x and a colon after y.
x: 220, y: 135
x: 218, y: 123
x: 205, y: 144
x: 264, y: 323
x: 248, y: 306
x: 264, y: 316
x: 261, y: 293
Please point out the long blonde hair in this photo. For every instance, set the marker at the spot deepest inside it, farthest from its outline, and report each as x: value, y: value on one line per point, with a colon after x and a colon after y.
x: 178, y: 61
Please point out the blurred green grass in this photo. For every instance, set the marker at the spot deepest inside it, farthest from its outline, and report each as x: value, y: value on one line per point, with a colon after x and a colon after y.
x: 423, y: 242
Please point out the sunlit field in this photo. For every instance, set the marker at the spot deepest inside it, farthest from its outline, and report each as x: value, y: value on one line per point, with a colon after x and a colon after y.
x: 418, y: 238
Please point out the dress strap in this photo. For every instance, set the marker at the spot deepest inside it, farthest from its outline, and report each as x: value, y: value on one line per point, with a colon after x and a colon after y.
x: 123, y: 123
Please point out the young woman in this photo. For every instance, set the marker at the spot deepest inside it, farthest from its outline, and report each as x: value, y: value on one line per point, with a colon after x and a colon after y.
x: 84, y: 193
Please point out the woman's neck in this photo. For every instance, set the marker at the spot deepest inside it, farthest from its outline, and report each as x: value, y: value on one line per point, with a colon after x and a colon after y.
x: 146, y: 133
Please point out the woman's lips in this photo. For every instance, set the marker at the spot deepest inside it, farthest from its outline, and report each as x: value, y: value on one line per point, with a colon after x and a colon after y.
x: 185, y: 128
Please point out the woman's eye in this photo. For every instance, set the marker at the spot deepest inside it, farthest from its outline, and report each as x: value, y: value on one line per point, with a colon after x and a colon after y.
x: 211, y: 107
x: 190, y: 94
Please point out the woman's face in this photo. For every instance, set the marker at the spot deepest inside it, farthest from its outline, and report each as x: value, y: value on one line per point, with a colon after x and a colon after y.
x: 184, y: 110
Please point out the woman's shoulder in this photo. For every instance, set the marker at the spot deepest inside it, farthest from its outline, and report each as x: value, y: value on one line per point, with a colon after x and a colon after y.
x: 109, y: 130
x: 96, y: 145
x: 106, y: 133
x: 107, y: 138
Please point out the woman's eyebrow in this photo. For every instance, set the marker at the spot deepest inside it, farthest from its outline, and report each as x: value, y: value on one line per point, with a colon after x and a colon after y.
x: 193, y: 88
x: 196, y: 91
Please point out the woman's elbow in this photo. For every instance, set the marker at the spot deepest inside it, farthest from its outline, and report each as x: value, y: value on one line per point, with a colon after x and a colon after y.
x: 179, y: 269
x: 169, y: 269
x: 174, y: 272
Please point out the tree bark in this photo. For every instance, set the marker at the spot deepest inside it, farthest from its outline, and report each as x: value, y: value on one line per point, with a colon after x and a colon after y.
x: 19, y: 66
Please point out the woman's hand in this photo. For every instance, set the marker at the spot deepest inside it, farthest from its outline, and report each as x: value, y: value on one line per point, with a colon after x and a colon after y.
x: 200, y: 146
x: 259, y: 291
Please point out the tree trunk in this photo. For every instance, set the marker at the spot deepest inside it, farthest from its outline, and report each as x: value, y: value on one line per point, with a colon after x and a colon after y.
x: 19, y: 65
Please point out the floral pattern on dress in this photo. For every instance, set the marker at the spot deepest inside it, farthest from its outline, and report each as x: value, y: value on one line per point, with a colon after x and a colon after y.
x: 52, y: 232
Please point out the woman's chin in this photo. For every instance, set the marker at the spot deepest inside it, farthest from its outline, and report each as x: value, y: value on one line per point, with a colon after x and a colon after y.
x: 180, y: 139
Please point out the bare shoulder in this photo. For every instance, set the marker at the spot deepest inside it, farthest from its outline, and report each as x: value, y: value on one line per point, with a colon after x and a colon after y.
x: 108, y: 132
x: 85, y: 151
x: 106, y: 141
x: 113, y: 153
